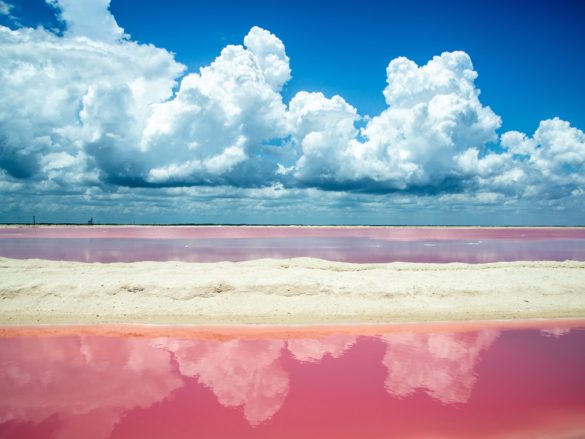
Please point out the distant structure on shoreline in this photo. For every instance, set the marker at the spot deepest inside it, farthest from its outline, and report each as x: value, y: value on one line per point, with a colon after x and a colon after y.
x: 90, y: 222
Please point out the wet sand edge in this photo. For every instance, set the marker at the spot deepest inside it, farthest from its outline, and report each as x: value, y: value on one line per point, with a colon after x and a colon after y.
x: 228, y: 332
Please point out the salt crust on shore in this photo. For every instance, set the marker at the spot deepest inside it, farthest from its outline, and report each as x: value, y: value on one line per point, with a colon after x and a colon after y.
x: 292, y: 291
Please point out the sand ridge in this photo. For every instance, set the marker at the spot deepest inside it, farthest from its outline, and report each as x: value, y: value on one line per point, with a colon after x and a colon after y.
x: 288, y: 291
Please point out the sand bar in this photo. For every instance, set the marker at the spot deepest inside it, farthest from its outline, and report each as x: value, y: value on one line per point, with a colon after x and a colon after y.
x: 284, y: 292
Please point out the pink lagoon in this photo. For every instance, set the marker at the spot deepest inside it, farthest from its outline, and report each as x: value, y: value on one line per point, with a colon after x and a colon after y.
x: 346, y: 244
x: 413, y: 381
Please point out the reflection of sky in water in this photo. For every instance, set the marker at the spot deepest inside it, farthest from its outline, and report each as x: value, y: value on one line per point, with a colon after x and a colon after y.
x: 480, y: 384
x: 347, y: 249
x: 443, y: 365
x: 349, y: 244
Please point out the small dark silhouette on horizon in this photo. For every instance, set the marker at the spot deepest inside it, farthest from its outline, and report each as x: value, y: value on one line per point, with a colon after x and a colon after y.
x: 90, y: 222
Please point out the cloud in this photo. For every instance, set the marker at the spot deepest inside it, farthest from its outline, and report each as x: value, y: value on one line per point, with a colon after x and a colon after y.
x: 91, y: 111
x: 218, y: 127
x: 556, y: 149
x: 5, y: 8
x: 90, y: 19
x: 80, y: 98
x: 434, y: 114
x: 325, y: 130
x: 109, y: 104
x: 548, y: 165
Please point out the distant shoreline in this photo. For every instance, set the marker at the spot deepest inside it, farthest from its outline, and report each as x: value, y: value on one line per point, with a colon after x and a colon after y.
x: 97, y: 225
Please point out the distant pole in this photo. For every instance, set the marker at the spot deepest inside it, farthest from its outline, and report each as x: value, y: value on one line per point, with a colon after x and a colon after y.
x: 34, y: 220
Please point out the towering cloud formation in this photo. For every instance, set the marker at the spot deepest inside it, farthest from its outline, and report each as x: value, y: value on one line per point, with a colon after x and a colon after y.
x: 434, y: 114
x: 72, y: 108
x: 94, y: 109
x: 215, y: 130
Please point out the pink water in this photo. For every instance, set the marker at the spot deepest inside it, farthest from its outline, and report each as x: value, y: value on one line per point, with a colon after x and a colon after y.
x: 486, y: 383
x: 348, y: 244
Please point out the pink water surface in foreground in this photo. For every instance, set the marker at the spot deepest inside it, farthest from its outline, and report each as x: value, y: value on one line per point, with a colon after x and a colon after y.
x: 485, y: 383
x: 347, y: 244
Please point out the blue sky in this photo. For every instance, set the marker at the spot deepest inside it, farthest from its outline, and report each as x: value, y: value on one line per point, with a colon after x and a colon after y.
x: 527, y: 55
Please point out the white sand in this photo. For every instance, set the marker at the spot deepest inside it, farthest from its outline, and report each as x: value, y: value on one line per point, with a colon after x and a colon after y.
x: 292, y: 291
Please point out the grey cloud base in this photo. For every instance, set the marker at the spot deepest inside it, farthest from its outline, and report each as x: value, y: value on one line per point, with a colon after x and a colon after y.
x: 92, y: 111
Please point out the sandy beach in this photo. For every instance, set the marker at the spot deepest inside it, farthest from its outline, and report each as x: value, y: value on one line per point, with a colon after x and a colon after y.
x: 293, y: 291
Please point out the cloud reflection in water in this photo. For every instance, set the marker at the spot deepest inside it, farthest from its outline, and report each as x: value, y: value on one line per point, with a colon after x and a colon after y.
x: 443, y: 365
x: 96, y: 387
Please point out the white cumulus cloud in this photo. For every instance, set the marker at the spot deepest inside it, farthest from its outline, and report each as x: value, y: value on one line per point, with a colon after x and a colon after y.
x: 434, y: 114
x: 222, y: 117
x: 92, y: 110
x: 552, y: 160
x: 90, y: 19
x: 78, y: 96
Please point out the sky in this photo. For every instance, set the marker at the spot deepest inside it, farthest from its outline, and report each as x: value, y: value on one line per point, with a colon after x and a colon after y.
x: 292, y: 112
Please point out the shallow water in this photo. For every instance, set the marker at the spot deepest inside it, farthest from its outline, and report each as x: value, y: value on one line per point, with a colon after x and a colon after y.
x: 350, y: 244
x: 406, y: 383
